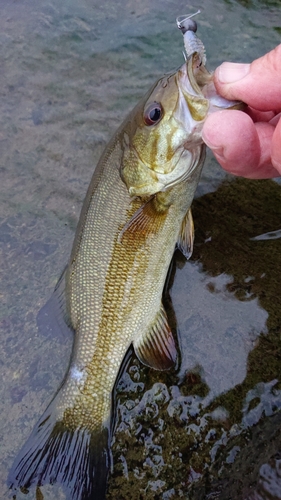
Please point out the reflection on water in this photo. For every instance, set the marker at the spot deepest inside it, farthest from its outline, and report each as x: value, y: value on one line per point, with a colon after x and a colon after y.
x: 225, y: 329
x: 70, y: 72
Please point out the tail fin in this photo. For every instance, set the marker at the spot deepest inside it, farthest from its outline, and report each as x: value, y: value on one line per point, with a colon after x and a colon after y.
x: 79, y: 459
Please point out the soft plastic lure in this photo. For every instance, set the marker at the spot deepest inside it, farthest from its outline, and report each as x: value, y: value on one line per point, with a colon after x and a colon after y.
x: 192, y: 43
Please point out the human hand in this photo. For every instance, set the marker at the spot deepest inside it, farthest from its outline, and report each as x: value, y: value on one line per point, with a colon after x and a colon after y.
x: 248, y: 143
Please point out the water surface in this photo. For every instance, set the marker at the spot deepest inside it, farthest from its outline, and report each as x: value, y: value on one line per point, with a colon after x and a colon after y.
x: 70, y: 72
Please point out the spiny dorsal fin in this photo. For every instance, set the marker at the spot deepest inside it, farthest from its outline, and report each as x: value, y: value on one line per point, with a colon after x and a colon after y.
x: 186, y: 236
x: 156, y: 348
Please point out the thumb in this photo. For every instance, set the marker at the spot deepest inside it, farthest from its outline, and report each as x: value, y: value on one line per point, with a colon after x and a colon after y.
x: 257, y: 84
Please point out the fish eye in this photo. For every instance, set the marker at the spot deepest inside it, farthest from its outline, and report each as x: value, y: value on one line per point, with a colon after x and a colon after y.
x: 153, y: 113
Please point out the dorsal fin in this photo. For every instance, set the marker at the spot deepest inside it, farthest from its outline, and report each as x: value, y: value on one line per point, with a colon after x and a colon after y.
x: 53, y: 319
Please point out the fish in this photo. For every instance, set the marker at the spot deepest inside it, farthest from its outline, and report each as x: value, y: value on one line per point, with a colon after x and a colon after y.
x: 136, y: 212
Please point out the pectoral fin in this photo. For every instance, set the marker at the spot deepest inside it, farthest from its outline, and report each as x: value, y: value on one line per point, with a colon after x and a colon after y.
x: 186, y: 236
x: 156, y: 348
x: 145, y: 221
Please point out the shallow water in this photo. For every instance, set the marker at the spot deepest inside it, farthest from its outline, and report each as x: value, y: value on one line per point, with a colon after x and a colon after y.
x: 70, y: 73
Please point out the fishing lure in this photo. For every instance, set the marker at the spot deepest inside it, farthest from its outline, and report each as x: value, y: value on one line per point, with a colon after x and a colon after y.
x: 192, y: 43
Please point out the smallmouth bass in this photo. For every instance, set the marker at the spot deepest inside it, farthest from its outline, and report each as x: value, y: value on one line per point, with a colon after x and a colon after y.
x: 137, y: 209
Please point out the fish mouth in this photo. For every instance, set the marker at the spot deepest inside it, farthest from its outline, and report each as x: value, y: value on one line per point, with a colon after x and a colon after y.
x: 190, y: 90
x: 198, y: 88
x: 192, y: 107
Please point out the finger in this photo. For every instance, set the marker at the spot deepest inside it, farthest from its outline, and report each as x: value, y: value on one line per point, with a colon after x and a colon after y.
x: 276, y: 147
x: 257, y: 84
x: 234, y: 141
x: 259, y: 116
x: 240, y: 146
x: 275, y: 120
x: 265, y: 169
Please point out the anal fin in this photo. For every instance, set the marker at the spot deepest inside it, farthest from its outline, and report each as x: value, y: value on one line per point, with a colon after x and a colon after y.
x: 186, y: 236
x: 156, y: 348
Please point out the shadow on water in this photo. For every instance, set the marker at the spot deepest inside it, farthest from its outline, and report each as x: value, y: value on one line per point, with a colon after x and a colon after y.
x: 206, y: 438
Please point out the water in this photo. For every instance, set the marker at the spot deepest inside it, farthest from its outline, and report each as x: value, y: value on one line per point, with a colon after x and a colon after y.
x: 70, y: 71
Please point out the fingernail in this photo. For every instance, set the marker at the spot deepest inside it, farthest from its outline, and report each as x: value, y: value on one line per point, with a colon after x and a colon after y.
x: 232, y: 72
